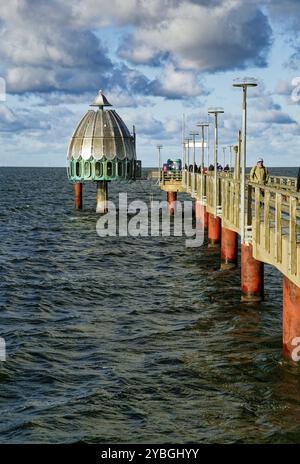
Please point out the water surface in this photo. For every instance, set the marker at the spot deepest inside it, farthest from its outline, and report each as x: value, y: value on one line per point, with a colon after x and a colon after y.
x: 132, y: 339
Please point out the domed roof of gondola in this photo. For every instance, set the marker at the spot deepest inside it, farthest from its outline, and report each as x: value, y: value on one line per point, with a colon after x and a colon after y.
x: 100, y: 134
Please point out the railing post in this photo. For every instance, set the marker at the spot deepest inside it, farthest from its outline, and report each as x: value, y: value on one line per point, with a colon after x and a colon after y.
x: 267, y: 219
x: 293, y: 235
x: 278, y: 228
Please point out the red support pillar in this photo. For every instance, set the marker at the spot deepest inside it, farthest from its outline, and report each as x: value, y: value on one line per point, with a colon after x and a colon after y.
x: 171, y: 198
x: 78, y: 195
x: 101, y: 196
x: 214, y: 231
x: 229, y: 249
x: 291, y: 320
x: 252, y: 275
x: 201, y: 215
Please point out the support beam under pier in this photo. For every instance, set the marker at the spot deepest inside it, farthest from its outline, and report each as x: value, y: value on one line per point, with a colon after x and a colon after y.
x: 252, y: 275
x: 78, y: 195
x: 171, y: 199
x: 229, y: 249
x: 291, y: 320
x: 214, y: 231
x: 101, y: 197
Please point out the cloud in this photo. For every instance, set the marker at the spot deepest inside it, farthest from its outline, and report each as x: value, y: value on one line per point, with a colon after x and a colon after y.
x: 54, y: 46
x: 203, y: 36
x: 176, y: 84
x: 151, y: 128
x: 24, y: 120
x: 42, y: 51
x: 273, y: 117
x: 285, y: 15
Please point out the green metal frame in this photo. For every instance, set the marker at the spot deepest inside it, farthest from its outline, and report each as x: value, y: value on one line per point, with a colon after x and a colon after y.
x: 88, y: 170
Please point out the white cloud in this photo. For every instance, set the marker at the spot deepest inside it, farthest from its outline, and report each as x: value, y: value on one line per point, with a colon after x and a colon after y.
x: 176, y: 83
x: 229, y: 35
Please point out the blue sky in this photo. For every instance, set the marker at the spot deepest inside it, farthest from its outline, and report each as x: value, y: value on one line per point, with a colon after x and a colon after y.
x: 155, y: 60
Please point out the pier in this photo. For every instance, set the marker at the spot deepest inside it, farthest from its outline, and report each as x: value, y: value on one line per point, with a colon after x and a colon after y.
x: 272, y: 230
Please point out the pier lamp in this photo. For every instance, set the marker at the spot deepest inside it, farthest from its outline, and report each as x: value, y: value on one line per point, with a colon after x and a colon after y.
x: 187, y: 158
x: 159, y: 147
x: 202, y: 125
x: 224, y: 157
x: 193, y: 134
x: 215, y: 112
x: 187, y: 142
x: 244, y: 84
x: 230, y: 155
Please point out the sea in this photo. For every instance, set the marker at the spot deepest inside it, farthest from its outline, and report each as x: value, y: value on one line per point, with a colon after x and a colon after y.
x: 130, y: 339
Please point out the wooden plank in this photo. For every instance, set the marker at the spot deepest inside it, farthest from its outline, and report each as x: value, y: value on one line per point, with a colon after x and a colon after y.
x: 237, y: 205
x: 231, y: 215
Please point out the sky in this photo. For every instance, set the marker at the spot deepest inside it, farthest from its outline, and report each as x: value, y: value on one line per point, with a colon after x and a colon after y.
x: 155, y: 60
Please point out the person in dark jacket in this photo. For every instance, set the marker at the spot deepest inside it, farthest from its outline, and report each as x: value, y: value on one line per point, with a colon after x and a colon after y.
x: 298, y: 181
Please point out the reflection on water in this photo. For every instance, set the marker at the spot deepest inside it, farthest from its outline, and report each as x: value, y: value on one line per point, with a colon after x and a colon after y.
x: 130, y: 339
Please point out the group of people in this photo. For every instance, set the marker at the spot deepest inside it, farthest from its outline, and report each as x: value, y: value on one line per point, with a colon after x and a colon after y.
x: 219, y: 167
x: 197, y: 169
x: 259, y: 173
x: 191, y: 168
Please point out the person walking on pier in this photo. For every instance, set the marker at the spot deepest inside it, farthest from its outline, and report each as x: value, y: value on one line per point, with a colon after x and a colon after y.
x: 259, y: 173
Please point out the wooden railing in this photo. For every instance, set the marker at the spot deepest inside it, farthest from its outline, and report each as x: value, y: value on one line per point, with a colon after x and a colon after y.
x: 171, y: 176
x: 272, y: 215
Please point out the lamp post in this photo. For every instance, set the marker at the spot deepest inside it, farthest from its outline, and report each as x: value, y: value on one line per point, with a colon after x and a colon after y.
x: 208, y: 141
x: 202, y: 125
x: 183, y: 144
x: 187, y: 143
x: 193, y: 134
x: 159, y: 147
x: 215, y: 112
x: 224, y: 157
x: 230, y: 158
x: 244, y: 84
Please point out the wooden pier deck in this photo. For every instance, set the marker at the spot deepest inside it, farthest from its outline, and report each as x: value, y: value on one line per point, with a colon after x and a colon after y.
x: 272, y: 213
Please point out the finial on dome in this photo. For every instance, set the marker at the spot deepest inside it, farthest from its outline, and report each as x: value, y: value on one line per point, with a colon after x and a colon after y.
x: 100, y: 100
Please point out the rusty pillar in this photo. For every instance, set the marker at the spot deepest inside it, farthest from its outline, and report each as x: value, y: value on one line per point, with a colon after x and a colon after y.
x: 291, y: 320
x: 78, y: 195
x: 101, y: 197
x: 214, y: 231
x: 171, y: 198
x: 229, y: 249
x: 252, y: 275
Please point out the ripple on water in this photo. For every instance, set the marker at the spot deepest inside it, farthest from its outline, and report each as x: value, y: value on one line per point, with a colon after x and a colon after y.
x: 132, y: 339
